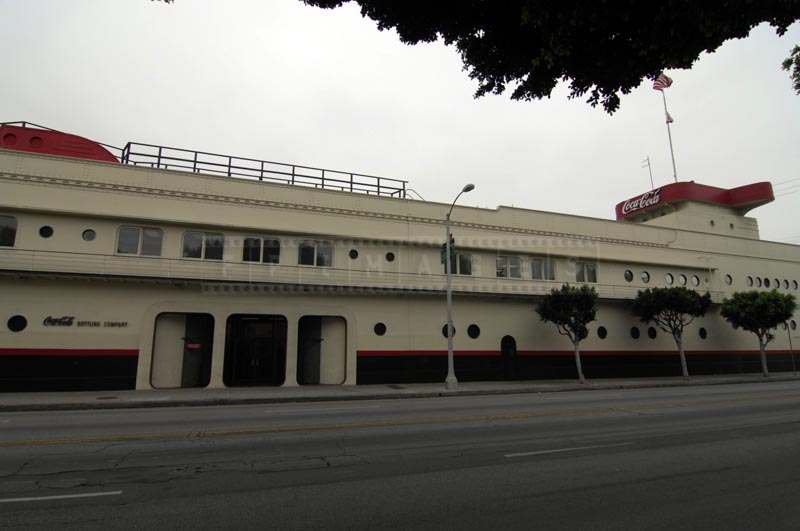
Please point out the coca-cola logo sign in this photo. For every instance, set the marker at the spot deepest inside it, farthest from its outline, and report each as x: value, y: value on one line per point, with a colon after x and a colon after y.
x: 65, y: 320
x: 645, y: 200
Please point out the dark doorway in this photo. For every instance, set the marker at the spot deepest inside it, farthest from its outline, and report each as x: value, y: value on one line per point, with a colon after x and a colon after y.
x: 321, y: 350
x: 508, y: 351
x: 255, y: 350
x: 182, y: 349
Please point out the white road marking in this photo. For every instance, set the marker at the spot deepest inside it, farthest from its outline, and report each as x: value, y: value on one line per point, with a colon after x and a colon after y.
x: 559, y: 450
x: 62, y: 497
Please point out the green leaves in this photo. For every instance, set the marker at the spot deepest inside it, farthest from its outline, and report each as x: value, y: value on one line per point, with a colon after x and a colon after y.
x: 601, y: 49
x: 672, y: 309
x: 792, y: 64
x: 758, y: 311
x: 570, y: 309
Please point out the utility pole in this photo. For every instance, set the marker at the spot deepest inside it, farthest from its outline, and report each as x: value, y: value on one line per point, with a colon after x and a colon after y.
x: 451, y: 382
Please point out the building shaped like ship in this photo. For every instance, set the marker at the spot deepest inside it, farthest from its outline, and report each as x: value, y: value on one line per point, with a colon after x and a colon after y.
x: 154, y: 267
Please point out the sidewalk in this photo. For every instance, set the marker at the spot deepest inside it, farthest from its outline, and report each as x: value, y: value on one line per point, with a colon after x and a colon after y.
x: 50, y: 401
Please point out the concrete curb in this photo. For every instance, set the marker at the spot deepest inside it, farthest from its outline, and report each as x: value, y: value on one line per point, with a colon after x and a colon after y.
x: 137, y: 402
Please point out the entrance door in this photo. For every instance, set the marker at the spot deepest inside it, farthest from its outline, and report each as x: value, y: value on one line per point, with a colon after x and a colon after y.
x: 508, y: 349
x: 182, y: 349
x: 321, y: 350
x: 255, y: 350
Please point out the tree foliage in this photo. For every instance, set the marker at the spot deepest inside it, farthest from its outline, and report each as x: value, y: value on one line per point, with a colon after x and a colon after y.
x: 671, y: 309
x: 759, y: 312
x: 602, y: 49
x: 792, y: 65
x: 570, y: 309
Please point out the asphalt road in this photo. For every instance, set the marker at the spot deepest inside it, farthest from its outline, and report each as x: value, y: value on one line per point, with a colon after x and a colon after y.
x: 715, y: 457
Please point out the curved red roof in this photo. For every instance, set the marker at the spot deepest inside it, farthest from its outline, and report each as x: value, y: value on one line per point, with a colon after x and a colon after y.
x: 52, y: 143
x: 743, y: 198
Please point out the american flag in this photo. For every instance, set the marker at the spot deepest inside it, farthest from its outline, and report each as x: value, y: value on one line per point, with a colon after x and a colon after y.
x: 662, y: 82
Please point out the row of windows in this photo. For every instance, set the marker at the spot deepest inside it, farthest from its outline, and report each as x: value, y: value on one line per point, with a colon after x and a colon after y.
x: 775, y: 283
x: 147, y: 241
x: 669, y: 279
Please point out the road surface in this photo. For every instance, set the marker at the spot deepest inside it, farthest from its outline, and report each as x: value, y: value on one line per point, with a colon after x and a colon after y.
x: 706, y: 457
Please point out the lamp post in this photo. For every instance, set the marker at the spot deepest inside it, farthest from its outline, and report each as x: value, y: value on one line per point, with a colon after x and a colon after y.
x: 451, y: 382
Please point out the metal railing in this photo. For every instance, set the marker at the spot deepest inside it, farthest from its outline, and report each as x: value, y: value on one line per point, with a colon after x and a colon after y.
x: 171, y: 158
x: 178, y: 159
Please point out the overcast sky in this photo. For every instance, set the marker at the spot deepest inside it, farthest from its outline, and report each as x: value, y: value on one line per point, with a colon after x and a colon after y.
x: 278, y: 80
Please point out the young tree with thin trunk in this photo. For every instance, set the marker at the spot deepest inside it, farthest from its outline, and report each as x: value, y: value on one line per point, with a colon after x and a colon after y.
x: 570, y: 309
x: 759, y: 312
x: 672, y: 310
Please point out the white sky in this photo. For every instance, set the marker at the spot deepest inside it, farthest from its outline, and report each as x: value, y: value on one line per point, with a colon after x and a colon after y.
x: 278, y: 80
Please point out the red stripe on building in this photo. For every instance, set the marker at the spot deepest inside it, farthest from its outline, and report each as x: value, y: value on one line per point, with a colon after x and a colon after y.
x: 73, y: 352
x: 561, y: 353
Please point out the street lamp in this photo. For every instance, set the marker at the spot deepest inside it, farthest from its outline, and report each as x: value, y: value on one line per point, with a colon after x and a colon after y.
x: 451, y: 382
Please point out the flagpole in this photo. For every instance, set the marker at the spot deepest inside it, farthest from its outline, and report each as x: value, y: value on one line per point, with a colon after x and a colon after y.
x: 669, y: 134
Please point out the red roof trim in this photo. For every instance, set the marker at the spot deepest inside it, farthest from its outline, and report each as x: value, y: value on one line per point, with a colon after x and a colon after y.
x: 48, y: 142
x: 743, y: 198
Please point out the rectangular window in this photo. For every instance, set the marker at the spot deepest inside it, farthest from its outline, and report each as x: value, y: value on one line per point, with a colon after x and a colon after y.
x: 272, y: 251
x: 324, y: 255
x: 207, y: 245
x: 252, y: 250
x: 315, y: 253
x: 214, y: 245
x: 128, y: 240
x: 193, y: 245
x: 151, y: 241
x: 509, y: 267
x: 8, y: 231
x: 460, y: 264
x: 543, y: 269
x: 585, y: 271
x: 144, y: 241
x: 306, y: 253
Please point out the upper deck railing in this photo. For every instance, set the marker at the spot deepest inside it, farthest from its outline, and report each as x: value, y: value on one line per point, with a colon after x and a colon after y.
x: 193, y: 161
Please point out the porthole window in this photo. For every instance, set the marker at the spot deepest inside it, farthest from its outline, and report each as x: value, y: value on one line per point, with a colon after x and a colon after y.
x: 712, y: 223
x: 682, y: 279
x: 45, y: 231
x: 749, y: 282
x: 645, y: 277
x: 353, y: 254
x: 390, y: 257
x: 785, y: 284
x: 651, y: 333
x: 795, y: 285
x: 380, y: 329
x: 473, y: 331
x: 635, y: 332
x: 777, y: 283
x: 628, y: 275
x: 728, y: 280
x: 670, y: 280
x: 444, y: 330
x: 17, y: 323
x: 602, y: 333
x: 695, y: 280
x: 758, y: 282
x: 793, y: 324
x: 89, y: 235
x: 703, y: 333
x: 767, y: 283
